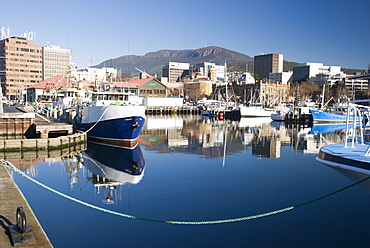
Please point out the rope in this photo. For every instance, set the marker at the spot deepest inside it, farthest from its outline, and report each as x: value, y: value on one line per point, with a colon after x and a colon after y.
x: 12, y: 167
x: 105, y: 110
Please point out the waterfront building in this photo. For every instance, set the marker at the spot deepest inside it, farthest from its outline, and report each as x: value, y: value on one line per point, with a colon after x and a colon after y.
x: 96, y: 75
x: 281, y: 77
x: 146, y: 87
x: 198, y: 89
x: 356, y: 87
x: 175, y: 71
x: 265, y: 64
x: 21, y: 64
x: 57, y: 88
x: 212, y: 71
x: 317, y: 72
x: 56, y: 61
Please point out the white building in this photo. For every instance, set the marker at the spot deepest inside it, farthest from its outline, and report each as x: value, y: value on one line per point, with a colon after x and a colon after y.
x: 96, y: 75
x: 56, y: 61
x: 211, y: 70
x: 175, y: 71
x: 281, y: 77
x: 317, y: 72
x: 246, y: 78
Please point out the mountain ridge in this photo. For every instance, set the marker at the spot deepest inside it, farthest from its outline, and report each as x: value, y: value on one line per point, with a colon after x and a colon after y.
x: 152, y: 62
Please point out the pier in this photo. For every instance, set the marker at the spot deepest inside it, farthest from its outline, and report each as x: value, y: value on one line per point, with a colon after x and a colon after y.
x: 48, y: 139
x: 11, y: 197
x: 170, y: 110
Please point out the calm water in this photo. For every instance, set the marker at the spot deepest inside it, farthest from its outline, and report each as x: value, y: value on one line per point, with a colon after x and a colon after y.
x: 192, y: 169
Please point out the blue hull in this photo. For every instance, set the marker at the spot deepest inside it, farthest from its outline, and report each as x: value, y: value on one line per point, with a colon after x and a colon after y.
x: 121, y: 132
x: 326, y: 117
x: 131, y: 162
x: 327, y: 128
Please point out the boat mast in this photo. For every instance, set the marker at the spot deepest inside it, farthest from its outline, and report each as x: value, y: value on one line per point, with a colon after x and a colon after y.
x: 226, y: 81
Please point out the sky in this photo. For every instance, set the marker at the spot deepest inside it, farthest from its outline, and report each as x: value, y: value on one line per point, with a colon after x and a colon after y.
x: 322, y: 31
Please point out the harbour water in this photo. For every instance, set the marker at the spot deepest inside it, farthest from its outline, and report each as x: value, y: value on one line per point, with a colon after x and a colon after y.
x: 192, y: 169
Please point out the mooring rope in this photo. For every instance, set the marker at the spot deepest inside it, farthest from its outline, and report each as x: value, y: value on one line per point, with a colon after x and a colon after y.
x: 12, y: 167
x: 105, y: 110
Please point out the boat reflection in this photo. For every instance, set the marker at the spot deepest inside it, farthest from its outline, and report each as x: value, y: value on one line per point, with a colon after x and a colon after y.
x: 355, y: 175
x: 113, y: 166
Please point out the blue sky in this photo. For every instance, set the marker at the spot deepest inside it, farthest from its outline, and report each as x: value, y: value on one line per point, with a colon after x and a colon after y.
x: 329, y: 32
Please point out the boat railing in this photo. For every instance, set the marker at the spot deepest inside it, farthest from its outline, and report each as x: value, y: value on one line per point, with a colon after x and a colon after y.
x: 357, y: 114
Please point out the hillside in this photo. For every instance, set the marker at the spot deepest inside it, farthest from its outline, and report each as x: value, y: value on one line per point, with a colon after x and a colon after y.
x: 153, y: 62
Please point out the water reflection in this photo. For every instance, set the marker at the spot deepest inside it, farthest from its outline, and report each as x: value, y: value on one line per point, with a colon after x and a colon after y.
x: 111, y: 167
x: 218, y: 138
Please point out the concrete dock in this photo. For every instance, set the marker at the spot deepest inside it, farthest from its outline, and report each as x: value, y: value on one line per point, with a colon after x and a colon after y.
x: 10, y: 198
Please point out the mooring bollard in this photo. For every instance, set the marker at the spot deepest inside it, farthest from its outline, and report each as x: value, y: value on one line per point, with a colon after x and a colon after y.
x: 21, y: 220
x: 21, y: 233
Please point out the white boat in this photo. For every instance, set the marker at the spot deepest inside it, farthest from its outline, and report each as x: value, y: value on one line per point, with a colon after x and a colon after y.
x: 280, y: 114
x: 255, y: 110
x: 111, y: 119
x: 354, y: 153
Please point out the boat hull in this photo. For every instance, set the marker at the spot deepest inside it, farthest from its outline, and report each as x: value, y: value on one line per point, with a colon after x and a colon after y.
x: 278, y: 117
x: 348, y: 158
x: 113, y: 125
x: 250, y: 111
x: 325, y: 117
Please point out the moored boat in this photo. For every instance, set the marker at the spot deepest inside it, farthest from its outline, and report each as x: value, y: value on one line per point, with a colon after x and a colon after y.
x: 319, y: 116
x: 354, y: 153
x: 111, y: 119
x: 255, y: 110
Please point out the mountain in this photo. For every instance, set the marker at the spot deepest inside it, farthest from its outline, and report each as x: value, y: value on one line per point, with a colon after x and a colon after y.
x: 153, y: 62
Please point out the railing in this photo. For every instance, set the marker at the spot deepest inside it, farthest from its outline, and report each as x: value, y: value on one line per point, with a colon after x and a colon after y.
x: 357, y: 114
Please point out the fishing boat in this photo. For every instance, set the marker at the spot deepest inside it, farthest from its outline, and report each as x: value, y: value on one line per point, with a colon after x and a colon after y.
x: 111, y: 119
x: 319, y: 116
x: 255, y: 110
x: 280, y: 113
x: 354, y: 153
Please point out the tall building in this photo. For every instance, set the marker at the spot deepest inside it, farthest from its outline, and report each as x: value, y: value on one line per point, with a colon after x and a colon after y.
x: 56, y: 61
x: 267, y: 63
x: 175, y: 71
x: 20, y: 66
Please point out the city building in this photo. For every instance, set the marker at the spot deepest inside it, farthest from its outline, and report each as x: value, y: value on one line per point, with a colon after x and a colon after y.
x: 175, y: 71
x: 212, y: 71
x: 265, y: 64
x: 147, y: 87
x: 281, y: 77
x: 20, y: 66
x: 317, y: 72
x: 96, y: 75
x: 56, y: 61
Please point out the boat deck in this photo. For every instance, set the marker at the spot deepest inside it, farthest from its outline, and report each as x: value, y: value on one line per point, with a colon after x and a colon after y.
x: 346, y: 157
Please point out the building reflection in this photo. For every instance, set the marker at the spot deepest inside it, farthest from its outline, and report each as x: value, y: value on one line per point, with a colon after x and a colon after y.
x: 218, y: 138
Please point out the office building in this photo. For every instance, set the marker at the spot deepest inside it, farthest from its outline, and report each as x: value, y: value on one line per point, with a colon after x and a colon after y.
x: 20, y: 66
x: 175, y: 71
x: 267, y: 63
x: 212, y: 71
x: 56, y: 61
x: 317, y: 72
